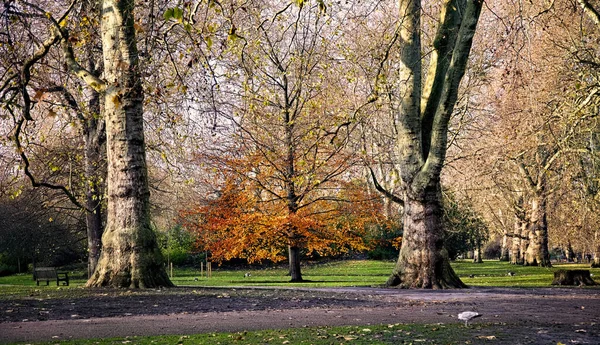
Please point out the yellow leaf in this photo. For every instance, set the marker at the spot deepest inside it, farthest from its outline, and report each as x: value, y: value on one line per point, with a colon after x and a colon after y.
x: 116, y: 99
x: 38, y: 95
x: 63, y: 23
x: 138, y: 27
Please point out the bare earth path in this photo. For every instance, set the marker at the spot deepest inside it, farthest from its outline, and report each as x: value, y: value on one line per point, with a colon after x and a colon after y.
x: 525, y: 316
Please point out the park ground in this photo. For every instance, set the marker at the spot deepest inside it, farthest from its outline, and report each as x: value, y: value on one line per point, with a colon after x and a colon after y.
x: 510, y: 315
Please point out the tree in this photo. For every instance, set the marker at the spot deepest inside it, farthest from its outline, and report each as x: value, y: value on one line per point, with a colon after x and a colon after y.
x: 532, y: 133
x: 28, y: 65
x: 130, y: 253
x: 421, y: 122
x: 131, y: 257
x: 238, y: 224
x: 464, y: 229
x: 291, y: 108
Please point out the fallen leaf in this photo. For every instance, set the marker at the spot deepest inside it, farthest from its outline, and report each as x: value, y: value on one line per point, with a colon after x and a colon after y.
x: 487, y: 337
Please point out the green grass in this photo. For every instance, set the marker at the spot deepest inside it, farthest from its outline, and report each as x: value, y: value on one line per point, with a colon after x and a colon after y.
x: 332, y: 274
x: 494, y: 273
x: 355, y: 335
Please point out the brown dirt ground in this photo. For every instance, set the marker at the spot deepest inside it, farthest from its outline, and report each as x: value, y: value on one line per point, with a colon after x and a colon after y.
x: 521, y: 316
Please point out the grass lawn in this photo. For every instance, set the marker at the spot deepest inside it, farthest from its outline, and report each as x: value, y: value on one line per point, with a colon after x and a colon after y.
x: 361, y: 335
x: 332, y: 274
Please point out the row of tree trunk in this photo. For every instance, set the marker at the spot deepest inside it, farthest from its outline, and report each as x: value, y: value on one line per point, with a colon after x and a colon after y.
x: 528, y: 242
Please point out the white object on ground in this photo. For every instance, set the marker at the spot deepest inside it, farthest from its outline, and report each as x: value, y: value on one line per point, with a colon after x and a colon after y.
x: 466, y: 316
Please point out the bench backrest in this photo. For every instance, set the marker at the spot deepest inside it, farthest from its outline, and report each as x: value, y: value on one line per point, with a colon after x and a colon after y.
x: 45, y: 273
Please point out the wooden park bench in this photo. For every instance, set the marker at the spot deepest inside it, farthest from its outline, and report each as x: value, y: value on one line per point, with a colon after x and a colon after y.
x: 48, y: 274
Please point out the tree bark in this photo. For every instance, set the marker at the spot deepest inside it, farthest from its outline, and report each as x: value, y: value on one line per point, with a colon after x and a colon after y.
x: 95, y: 154
x: 516, y: 256
x: 596, y: 261
x: 573, y: 277
x: 423, y: 260
x: 294, y: 258
x: 422, y: 132
x: 504, y: 254
x: 477, y: 253
x: 569, y: 254
x: 537, y: 253
x: 130, y: 254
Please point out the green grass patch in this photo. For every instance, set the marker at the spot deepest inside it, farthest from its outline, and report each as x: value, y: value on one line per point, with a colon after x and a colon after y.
x: 359, y: 335
x: 331, y: 274
x: 495, y: 273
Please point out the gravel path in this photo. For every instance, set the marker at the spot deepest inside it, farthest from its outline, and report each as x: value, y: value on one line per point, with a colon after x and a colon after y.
x: 532, y: 316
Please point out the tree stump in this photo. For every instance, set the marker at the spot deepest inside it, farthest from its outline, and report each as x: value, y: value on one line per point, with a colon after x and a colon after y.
x: 573, y: 277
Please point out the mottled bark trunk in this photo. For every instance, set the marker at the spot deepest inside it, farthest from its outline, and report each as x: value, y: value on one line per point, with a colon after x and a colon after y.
x: 95, y: 155
x: 516, y: 253
x: 130, y: 254
x: 422, y: 133
x: 423, y: 260
x: 596, y: 261
x: 505, y: 250
x: 524, y: 241
x: 94, y: 226
x: 537, y: 253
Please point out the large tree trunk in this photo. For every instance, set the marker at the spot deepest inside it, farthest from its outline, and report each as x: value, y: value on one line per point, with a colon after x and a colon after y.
x: 421, y: 124
x: 130, y: 254
x: 423, y: 260
x: 537, y: 253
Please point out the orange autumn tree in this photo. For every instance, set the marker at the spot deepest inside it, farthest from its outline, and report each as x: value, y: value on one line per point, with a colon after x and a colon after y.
x: 240, y: 224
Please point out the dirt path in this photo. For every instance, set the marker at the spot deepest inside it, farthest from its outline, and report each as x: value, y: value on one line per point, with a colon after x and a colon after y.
x: 532, y: 316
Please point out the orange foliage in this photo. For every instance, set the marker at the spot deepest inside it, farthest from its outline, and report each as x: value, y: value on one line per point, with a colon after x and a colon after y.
x: 238, y: 224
